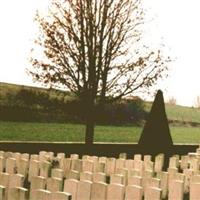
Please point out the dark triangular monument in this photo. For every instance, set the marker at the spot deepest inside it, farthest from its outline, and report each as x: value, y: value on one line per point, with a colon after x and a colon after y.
x: 156, y: 137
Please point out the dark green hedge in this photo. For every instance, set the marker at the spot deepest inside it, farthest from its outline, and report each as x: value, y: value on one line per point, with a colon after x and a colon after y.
x: 30, y: 105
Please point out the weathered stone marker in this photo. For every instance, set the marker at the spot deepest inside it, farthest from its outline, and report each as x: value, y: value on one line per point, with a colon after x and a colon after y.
x: 17, y: 193
x: 115, y: 191
x: 60, y: 196
x: 84, y: 190
x: 99, y: 191
x: 99, y: 177
x: 133, y: 192
x: 71, y: 186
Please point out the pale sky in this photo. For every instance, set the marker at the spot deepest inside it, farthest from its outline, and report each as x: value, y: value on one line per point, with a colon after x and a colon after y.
x: 175, y: 23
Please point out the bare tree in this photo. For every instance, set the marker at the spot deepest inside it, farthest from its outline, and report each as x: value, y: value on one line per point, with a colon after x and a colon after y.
x: 172, y: 101
x: 90, y: 49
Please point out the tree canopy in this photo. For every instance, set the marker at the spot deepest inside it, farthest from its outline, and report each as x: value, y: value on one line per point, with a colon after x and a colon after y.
x: 93, y: 49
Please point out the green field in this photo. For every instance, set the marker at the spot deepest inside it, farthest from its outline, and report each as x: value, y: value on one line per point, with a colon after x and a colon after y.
x: 75, y: 133
x: 181, y: 129
x: 180, y: 113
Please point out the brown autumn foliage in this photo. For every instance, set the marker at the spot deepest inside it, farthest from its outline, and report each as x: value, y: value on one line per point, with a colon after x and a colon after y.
x: 94, y: 49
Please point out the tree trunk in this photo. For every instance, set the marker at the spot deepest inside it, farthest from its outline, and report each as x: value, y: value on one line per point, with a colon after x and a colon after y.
x: 89, y: 134
x: 90, y: 122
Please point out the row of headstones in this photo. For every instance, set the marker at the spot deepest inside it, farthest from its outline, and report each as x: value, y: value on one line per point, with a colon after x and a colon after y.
x: 113, y: 163
x: 19, y: 193
x: 20, y: 163
x: 83, y: 169
x: 42, y: 164
x: 50, y: 155
x: 86, y: 190
x: 56, y: 184
x: 101, y: 191
x: 123, y: 162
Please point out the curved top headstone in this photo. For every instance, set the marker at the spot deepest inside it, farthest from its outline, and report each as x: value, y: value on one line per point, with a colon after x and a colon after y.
x: 156, y: 137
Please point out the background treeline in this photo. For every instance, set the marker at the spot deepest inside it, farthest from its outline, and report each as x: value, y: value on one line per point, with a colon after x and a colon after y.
x: 24, y: 103
x: 41, y: 105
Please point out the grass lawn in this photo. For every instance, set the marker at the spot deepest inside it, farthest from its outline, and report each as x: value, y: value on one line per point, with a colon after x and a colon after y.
x: 19, y: 131
x: 180, y: 113
x: 187, y: 135
x: 65, y: 132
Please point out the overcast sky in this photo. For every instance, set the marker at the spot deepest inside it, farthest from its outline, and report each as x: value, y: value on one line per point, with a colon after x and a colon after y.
x: 176, y: 24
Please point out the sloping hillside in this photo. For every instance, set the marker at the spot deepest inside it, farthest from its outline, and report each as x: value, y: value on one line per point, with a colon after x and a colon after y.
x: 175, y: 113
x: 7, y: 89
